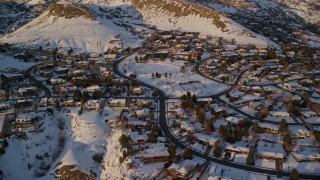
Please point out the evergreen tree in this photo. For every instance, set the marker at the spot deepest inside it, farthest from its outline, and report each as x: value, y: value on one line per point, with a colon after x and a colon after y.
x: 172, y: 150
x: 217, y: 151
x: 255, y: 127
x: 77, y: 94
x: 287, y: 139
x: 250, y: 159
x: 124, y: 141
x: 153, y: 138
x: 294, y: 175
x: 283, y: 126
x: 84, y: 98
x: 187, y: 153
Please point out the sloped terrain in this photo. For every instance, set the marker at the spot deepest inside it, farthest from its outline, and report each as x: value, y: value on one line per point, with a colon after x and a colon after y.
x: 95, y: 26
x: 169, y: 14
x: 76, y: 28
x: 278, y: 20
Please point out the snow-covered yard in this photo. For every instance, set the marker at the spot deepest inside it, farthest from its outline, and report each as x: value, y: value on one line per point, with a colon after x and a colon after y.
x: 175, y: 85
x: 37, y: 151
x: 307, y: 167
x: 7, y: 61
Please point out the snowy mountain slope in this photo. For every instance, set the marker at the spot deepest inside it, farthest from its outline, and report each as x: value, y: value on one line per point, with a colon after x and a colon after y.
x: 14, y: 14
x: 96, y: 25
x: 169, y: 14
x: 275, y: 19
x: 79, y: 29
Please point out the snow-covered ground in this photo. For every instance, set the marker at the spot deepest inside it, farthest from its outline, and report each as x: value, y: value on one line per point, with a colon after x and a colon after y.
x: 87, y: 137
x: 7, y: 61
x: 102, y: 33
x: 38, y: 150
x: 163, y: 18
x: 174, y: 86
x: 306, y: 167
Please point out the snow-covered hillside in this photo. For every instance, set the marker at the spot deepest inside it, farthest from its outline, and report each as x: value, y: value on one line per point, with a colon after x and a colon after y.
x: 169, y: 14
x: 95, y: 26
x: 92, y: 35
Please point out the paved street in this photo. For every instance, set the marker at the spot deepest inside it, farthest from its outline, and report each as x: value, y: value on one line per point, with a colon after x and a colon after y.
x: 178, y: 144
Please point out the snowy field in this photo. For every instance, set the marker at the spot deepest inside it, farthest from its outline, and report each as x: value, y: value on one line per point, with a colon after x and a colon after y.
x: 84, y: 135
x: 306, y: 167
x: 37, y: 150
x: 175, y: 86
x: 9, y: 61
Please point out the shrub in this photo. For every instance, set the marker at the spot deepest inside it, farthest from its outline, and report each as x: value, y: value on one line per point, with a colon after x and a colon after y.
x: 98, y: 158
x: 294, y: 175
x: 217, y: 151
x: 187, y: 153
x: 250, y: 159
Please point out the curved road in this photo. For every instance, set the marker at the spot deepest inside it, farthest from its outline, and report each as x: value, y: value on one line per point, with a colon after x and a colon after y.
x: 37, y: 82
x: 197, y: 69
x: 166, y: 130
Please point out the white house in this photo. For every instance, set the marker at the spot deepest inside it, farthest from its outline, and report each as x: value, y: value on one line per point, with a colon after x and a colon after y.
x: 182, y: 170
x: 137, y: 138
x: 24, y: 119
x: 187, y: 126
x: 279, y: 114
x: 212, y: 141
x: 118, y: 103
x: 237, y: 149
x: 269, y: 127
x: 233, y: 119
x: 93, y: 88
x: 94, y: 104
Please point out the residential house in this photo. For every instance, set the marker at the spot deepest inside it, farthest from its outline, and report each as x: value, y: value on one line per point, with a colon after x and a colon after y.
x: 137, y: 91
x: 110, y: 56
x: 82, y: 64
x: 299, y: 132
x: 3, y: 122
x: 94, y: 55
x: 24, y: 119
x: 137, y: 124
x: 187, y: 126
x: 61, y: 70
x: 3, y: 94
x: 156, y: 153
x: 143, y: 113
x: 206, y: 139
x: 11, y: 77
x: 24, y: 102
x: 205, y: 100
x: 118, y: 103
x: 57, y: 81
x: 271, y: 89
x: 255, y: 105
x: 279, y: 113
x: 141, y: 103
x: 268, y: 127
x: 94, y: 104
x: 270, y: 155
x: 27, y: 91
x: 94, y: 88
x: 233, y: 119
x: 62, y: 52
x: 309, y: 114
x: 302, y: 154
x: 68, y: 103
x: 137, y: 138
x: 182, y: 170
x: 236, y: 149
x: 181, y: 113
x: 219, y: 112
